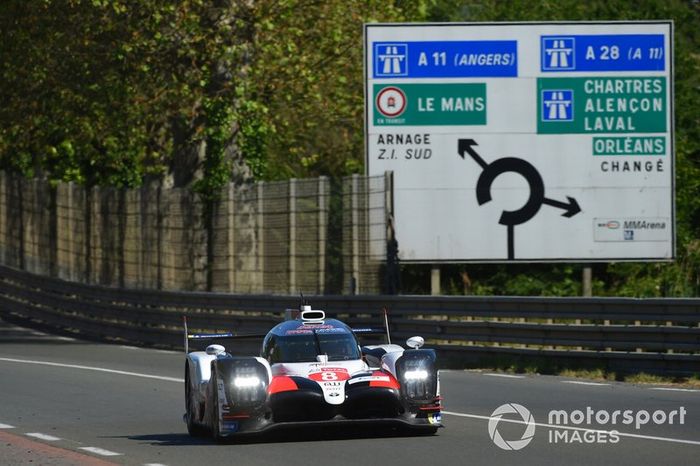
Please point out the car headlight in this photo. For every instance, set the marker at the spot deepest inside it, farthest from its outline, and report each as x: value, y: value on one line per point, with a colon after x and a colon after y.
x: 418, y: 374
x: 246, y: 382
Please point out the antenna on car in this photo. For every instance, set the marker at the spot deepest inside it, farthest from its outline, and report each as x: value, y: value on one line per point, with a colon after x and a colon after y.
x: 386, y: 324
x: 187, y: 347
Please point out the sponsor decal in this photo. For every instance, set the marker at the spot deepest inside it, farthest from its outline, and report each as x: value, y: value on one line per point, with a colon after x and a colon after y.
x: 435, y: 418
x: 377, y: 379
x: 370, y: 378
x: 309, y: 327
x: 332, y: 382
x: 631, y: 229
x: 330, y: 374
x: 332, y: 330
x: 230, y: 426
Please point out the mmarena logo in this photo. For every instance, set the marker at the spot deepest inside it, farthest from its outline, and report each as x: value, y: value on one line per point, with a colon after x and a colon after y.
x: 511, y: 408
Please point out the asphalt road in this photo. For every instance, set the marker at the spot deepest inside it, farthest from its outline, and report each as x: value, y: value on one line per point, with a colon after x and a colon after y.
x: 66, y: 402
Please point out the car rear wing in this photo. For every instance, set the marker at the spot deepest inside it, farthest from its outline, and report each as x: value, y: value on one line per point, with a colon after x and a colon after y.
x: 214, y: 336
x: 376, y: 330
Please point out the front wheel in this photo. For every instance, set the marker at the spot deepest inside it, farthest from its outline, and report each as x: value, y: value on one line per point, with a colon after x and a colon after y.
x: 193, y: 428
x: 213, y: 406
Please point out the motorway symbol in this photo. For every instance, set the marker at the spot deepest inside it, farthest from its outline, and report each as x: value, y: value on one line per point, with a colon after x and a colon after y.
x: 558, y: 54
x: 391, y: 60
x: 558, y: 105
x: 511, y: 218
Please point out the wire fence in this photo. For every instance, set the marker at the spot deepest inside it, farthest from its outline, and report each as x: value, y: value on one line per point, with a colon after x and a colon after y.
x: 316, y: 236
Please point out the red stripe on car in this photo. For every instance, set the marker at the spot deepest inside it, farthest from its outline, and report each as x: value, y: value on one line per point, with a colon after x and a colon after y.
x: 281, y: 383
x: 391, y: 383
x: 430, y: 408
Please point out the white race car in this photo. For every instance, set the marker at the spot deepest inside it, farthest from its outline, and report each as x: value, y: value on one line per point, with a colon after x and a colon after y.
x: 311, y: 371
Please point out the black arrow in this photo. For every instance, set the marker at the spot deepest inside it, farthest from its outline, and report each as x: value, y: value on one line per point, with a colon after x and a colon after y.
x: 527, y: 171
x: 465, y: 145
x: 571, y: 208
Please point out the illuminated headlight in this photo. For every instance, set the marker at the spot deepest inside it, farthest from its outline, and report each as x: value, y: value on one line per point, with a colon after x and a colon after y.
x: 246, y: 382
x: 415, y: 375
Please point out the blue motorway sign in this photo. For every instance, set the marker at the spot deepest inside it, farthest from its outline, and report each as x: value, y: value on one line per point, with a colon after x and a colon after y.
x: 446, y: 59
x: 619, y: 52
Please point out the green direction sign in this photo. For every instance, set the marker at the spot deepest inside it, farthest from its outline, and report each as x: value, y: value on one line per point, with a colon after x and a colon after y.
x: 429, y: 104
x: 601, y: 105
x: 629, y: 145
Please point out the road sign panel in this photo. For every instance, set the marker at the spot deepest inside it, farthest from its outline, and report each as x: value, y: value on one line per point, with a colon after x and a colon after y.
x: 602, y: 105
x: 445, y: 59
x: 524, y: 141
x: 603, y: 52
x: 430, y: 104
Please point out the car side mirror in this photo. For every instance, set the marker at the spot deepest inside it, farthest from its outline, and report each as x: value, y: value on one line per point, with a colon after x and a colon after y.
x: 415, y: 342
x: 215, y: 350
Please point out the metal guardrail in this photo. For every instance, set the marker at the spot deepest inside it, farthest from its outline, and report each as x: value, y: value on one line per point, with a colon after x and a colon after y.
x: 619, y: 334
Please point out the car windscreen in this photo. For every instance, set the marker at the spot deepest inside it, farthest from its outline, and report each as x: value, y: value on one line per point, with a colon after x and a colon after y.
x: 305, y: 347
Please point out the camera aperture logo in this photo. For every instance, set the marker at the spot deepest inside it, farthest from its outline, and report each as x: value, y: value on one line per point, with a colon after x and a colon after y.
x: 527, y: 418
x: 579, y: 426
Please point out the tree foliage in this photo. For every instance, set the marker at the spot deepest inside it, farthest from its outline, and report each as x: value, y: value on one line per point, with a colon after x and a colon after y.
x: 305, y: 93
x: 115, y: 91
x: 106, y: 92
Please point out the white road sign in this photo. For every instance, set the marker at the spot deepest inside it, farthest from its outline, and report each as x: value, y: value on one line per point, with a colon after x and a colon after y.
x: 524, y: 141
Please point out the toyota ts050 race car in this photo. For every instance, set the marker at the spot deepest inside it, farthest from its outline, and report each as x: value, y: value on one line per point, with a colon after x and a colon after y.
x: 311, y: 371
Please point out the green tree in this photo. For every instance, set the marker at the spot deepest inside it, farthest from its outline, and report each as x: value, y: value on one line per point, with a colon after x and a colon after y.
x: 117, y: 91
x: 305, y: 95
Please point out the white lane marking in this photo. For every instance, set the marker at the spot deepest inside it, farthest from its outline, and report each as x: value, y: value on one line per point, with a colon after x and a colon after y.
x: 35, y: 333
x: 40, y: 436
x: 507, y: 376
x: 100, y: 451
x: 149, y: 349
x: 98, y: 369
x: 6, y: 426
x: 556, y: 426
x: 669, y: 389
x: 577, y: 382
x: 154, y: 464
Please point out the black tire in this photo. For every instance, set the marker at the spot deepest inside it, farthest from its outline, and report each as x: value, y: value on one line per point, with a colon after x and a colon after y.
x: 213, y: 406
x: 194, y: 429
